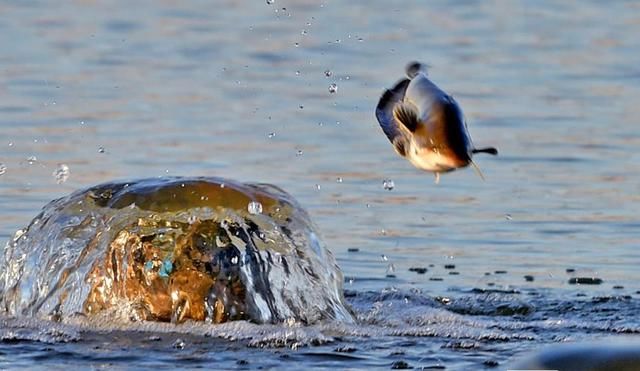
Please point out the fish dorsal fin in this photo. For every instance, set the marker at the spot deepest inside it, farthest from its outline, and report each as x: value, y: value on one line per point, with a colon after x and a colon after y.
x: 406, y: 114
x: 414, y: 68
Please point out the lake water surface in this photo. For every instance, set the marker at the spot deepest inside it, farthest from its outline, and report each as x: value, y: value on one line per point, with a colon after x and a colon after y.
x: 240, y: 89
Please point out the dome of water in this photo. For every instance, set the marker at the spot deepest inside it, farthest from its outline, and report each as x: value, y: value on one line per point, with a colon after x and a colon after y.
x: 173, y: 249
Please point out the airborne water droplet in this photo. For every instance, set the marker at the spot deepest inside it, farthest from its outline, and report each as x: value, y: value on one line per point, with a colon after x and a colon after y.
x: 179, y: 344
x: 3, y: 168
x: 100, y: 149
x: 333, y: 88
x: 328, y: 73
x: 271, y: 1
x: 32, y: 160
x: 61, y: 174
x: 388, y: 184
x: 254, y: 207
x: 271, y: 135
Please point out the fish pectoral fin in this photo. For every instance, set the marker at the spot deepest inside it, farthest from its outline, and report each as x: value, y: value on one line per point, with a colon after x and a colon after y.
x: 384, y: 110
x: 407, y: 115
x: 399, y: 144
x: 489, y: 150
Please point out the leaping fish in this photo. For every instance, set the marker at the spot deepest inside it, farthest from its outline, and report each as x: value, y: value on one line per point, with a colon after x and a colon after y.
x: 426, y: 125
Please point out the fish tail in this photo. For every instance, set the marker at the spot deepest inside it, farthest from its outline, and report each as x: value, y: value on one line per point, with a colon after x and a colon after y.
x: 489, y: 150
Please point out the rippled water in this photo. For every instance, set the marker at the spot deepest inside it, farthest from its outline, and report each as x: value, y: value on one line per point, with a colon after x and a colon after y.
x: 240, y: 89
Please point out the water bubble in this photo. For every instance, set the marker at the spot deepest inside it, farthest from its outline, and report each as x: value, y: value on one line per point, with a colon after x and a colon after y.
x: 254, y: 207
x: 328, y: 73
x: 333, y: 88
x: 388, y: 184
x: 271, y: 1
x: 61, y: 174
x: 32, y: 160
x: 3, y: 168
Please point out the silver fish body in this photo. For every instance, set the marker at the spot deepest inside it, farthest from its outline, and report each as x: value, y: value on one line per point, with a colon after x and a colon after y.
x: 425, y: 124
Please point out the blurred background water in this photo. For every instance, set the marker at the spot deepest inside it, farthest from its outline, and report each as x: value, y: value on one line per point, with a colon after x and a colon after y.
x: 124, y: 90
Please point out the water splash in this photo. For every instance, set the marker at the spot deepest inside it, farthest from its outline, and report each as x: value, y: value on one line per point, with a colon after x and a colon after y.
x: 172, y: 249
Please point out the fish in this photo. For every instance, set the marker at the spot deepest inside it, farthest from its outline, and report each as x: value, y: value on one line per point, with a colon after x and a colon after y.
x: 426, y: 125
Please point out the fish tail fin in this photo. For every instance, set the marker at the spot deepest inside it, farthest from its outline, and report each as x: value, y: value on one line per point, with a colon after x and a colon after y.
x: 489, y: 150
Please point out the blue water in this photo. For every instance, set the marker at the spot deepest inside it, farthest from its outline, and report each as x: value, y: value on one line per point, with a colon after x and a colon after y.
x: 121, y: 90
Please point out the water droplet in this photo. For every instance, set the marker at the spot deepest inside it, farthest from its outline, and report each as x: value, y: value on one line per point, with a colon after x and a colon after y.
x: 271, y: 135
x: 100, y: 149
x: 271, y: 1
x: 339, y: 179
x: 18, y: 234
x: 299, y: 153
x: 297, y: 44
x: 192, y: 219
x: 297, y: 73
x: 333, y: 88
x: 303, y: 32
x: 32, y: 160
x: 61, y: 174
x: 318, y: 187
x: 388, y: 184
x: 384, y: 258
x: 508, y: 216
x: 301, y: 106
x: 179, y: 343
x: 234, y: 260
x: 3, y: 168
x: 391, y: 268
x: 254, y: 207
x: 328, y: 73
